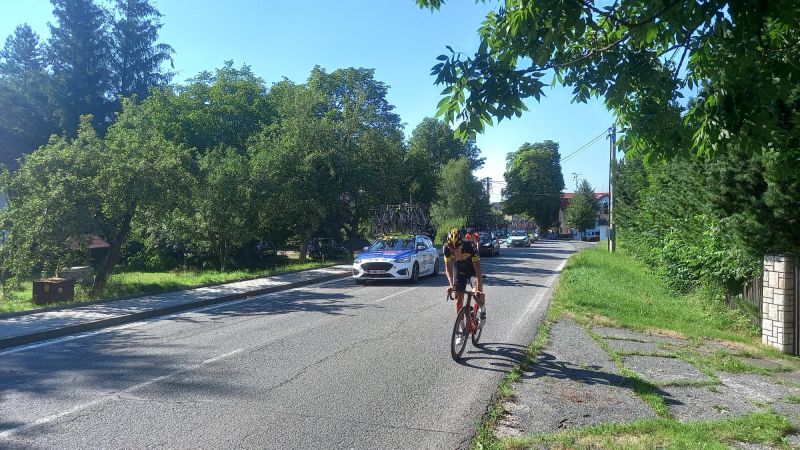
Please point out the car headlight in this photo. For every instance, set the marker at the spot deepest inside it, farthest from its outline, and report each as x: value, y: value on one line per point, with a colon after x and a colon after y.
x: 404, y: 259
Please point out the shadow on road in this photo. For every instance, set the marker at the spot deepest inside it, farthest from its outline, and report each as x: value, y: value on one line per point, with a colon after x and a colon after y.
x: 502, y: 356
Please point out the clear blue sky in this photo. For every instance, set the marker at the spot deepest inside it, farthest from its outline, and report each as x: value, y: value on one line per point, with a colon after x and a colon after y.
x: 395, y: 37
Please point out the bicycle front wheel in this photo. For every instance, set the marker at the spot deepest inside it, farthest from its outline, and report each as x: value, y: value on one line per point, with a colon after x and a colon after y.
x: 460, y: 334
x: 476, y: 336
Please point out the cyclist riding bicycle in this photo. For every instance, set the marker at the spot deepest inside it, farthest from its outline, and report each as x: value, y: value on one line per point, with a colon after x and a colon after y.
x: 462, y: 260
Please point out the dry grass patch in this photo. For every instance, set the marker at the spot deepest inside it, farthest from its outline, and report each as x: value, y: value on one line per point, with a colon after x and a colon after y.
x: 660, y: 332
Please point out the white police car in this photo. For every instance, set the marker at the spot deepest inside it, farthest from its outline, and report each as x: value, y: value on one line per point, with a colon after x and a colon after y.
x: 404, y: 257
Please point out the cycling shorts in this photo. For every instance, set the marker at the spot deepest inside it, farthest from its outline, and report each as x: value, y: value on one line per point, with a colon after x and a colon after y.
x: 462, y: 276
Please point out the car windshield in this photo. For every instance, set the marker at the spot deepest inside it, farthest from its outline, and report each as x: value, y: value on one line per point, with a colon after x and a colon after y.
x: 484, y: 236
x: 393, y: 243
x: 518, y: 233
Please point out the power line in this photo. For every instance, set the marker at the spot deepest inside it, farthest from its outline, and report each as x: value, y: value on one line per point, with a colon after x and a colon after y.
x: 584, y: 147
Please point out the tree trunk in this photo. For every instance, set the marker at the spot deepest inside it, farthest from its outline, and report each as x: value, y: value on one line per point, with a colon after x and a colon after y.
x: 352, y: 233
x: 113, y: 253
x: 304, y: 248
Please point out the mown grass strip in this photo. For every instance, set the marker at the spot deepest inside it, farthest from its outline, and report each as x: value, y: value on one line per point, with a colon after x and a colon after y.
x: 621, y: 289
x: 144, y: 283
x: 760, y: 427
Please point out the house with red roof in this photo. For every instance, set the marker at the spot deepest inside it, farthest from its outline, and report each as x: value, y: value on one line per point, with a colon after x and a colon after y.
x: 601, y: 224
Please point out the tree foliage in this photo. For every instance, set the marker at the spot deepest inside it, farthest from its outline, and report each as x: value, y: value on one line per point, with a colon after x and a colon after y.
x: 675, y: 216
x: 136, y: 56
x: 94, y: 55
x: 27, y: 117
x: 369, y: 160
x: 737, y: 58
x: 437, y: 140
x: 223, y: 108
x: 534, y: 182
x: 582, y: 210
x: 461, y: 195
x: 73, y: 188
x: 80, y: 56
x: 296, y: 159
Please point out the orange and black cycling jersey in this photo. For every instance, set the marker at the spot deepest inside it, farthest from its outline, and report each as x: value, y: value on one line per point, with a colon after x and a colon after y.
x: 469, y: 253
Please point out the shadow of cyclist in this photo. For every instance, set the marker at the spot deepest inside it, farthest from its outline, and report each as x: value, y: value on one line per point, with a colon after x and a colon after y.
x: 500, y: 356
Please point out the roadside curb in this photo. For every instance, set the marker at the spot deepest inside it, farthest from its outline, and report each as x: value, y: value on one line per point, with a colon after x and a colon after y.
x: 38, y: 336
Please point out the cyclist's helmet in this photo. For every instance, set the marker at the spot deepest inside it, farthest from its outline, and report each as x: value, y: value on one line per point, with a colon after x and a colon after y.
x: 455, y: 239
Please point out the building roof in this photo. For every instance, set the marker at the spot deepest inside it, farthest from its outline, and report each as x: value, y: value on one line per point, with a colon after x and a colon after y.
x: 566, y: 197
x: 96, y: 242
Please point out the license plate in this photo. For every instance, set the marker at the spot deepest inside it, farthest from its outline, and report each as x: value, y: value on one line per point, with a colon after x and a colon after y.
x: 376, y: 272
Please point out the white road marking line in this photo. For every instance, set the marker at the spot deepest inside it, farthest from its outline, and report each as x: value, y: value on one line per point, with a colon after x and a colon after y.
x: 153, y: 319
x: 393, y: 295
x: 110, y: 397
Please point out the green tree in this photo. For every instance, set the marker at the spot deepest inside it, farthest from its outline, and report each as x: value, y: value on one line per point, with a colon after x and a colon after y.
x: 420, y: 176
x: 697, y: 222
x: 641, y: 58
x: 369, y: 157
x: 461, y: 194
x: 80, y: 58
x: 27, y: 117
x: 534, y: 182
x: 294, y: 162
x: 70, y: 189
x: 582, y: 209
x: 224, y: 108
x: 137, y: 58
x: 438, y: 141
x: 223, y: 215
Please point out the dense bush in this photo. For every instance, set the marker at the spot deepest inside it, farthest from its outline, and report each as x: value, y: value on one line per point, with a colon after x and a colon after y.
x: 668, y: 214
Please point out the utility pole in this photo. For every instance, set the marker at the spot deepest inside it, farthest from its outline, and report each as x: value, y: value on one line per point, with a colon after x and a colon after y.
x: 611, y: 238
x: 488, y: 182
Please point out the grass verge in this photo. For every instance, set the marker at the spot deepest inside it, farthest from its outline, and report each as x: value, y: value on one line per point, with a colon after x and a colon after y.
x: 760, y: 427
x: 141, y: 283
x: 617, y: 287
x: 600, y: 288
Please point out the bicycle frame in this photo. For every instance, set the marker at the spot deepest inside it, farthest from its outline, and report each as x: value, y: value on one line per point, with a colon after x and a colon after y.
x: 473, y: 325
x: 470, y: 312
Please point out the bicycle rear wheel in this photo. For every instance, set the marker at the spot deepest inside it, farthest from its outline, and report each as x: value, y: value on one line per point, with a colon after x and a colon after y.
x: 458, y: 342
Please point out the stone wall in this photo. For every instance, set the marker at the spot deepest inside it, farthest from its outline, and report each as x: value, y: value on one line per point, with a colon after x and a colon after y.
x: 777, y: 318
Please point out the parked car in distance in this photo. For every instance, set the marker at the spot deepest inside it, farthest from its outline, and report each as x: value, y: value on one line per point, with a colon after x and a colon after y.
x: 518, y: 239
x: 490, y: 245
x: 326, y: 248
x: 592, y: 236
x: 266, y: 249
x: 552, y: 236
x: 406, y: 257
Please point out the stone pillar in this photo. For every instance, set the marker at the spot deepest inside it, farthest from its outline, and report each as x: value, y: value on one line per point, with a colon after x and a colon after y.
x: 777, y: 319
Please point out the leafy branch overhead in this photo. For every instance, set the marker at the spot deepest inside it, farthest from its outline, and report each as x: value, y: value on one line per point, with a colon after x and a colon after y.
x: 737, y: 59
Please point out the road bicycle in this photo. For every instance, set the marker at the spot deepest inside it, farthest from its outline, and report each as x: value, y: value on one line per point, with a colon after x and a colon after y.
x: 466, y: 325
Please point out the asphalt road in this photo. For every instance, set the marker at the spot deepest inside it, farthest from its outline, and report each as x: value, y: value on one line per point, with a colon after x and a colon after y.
x: 329, y: 366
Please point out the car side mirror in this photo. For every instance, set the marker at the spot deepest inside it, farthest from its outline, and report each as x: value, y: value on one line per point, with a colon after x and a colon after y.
x: 365, y: 248
x: 421, y: 246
